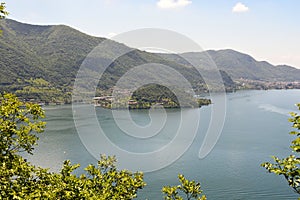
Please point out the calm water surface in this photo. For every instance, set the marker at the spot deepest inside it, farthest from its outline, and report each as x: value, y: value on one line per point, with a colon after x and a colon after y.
x: 256, y: 127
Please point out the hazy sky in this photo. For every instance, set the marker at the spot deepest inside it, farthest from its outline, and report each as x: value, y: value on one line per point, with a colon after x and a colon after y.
x: 266, y: 29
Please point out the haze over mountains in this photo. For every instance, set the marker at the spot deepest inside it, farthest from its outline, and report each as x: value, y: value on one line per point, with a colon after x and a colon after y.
x: 42, y: 62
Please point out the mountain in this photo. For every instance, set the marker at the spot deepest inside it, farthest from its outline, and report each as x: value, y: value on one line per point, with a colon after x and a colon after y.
x: 49, y: 54
x: 41, y: 63
x: 239, y: 65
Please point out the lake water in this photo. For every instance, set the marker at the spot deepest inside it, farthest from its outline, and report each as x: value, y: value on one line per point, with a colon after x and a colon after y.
x: 255, y: 128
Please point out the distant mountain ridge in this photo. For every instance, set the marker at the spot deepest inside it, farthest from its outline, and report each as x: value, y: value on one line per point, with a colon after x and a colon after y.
x: 42, y: 62
x: 239, y: 65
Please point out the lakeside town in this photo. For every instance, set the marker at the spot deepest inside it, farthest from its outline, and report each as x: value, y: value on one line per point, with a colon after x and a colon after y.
x: 106, y: 100
x: 266, y: 85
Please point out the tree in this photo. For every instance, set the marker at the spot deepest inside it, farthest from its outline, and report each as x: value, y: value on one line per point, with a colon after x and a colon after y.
x: 289, y: 167
x: 3, y: 12
x: 18, y: 122
x: 189, y: 189
x: 19, y: 179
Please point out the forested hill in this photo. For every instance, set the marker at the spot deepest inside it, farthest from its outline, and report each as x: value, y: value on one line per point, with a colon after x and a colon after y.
x: 41, y: 62
x: 239, y: 65
x: 51, y: 53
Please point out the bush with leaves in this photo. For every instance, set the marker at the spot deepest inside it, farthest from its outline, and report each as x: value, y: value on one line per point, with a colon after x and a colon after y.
x: 187, y: 189
x: 19, y: 125
x: 18, y: 122
x: 19, y: 179
x: 289, y: 167
x: 3, y: 12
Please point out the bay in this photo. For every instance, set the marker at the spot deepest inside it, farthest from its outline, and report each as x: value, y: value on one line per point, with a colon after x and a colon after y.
x: 256, y: 127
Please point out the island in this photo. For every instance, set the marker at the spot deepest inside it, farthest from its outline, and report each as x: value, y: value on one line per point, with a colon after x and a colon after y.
x: 151, y: 95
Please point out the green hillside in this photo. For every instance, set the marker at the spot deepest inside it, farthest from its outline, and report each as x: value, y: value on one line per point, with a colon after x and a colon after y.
x: 239, y: 65
x: 41, y: 63
x: 41, y: 53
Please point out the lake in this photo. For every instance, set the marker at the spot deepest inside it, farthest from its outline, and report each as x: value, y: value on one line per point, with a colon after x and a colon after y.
x: 256, y: 127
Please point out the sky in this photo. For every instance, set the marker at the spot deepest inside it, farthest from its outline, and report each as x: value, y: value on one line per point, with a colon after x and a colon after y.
x: 265, y: 29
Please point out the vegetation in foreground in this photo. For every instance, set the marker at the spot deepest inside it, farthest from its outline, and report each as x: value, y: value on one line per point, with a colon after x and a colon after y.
x: 20, y: 124
x: 289, y: 167
x: 3, y: 12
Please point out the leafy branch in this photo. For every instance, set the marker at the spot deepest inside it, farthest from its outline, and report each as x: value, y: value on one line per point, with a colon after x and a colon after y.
x: 189, y: 189
x: 289, y: 167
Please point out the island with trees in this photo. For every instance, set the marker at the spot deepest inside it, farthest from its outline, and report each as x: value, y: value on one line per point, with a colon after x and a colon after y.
x: 149, y: 96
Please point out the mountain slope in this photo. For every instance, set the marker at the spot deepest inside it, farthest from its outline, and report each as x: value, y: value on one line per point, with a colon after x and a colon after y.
x: 239, y: 65
x: 50, y: 52
x: 41, y: 62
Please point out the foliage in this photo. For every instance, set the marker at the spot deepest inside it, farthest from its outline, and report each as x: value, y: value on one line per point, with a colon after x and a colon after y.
x: 19, y: 123
x: 157, y: 94
x: 289, y: 167
x: 103, y: 181
x: 151, y: 95
x: 41, y: 90
x: 19, y: 179
x: 188, y: 189
x: 3, y: 12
